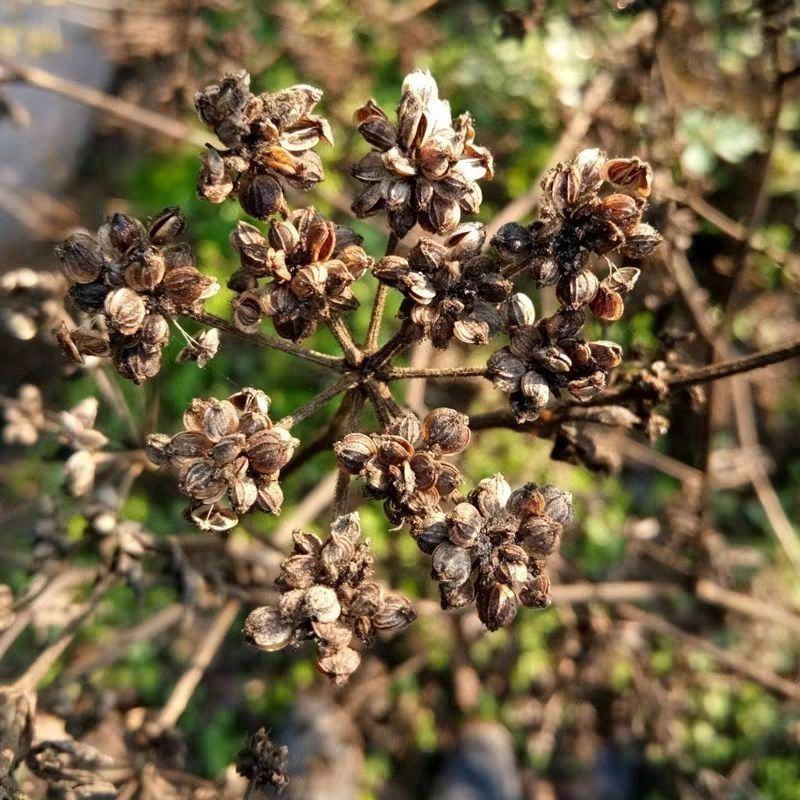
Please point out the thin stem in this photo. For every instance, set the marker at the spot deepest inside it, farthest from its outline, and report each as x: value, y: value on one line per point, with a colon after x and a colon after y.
x: 260, y: 340
x: 352, y: 353
x: 116, y: 107
x: 408, y: 335
x: 403, y: 373
x: 312, y: 406
x: 116, y: 399
x: 184, y: 689
x: 385, y: 405
x: 343, y: 478
x: 371, y: 342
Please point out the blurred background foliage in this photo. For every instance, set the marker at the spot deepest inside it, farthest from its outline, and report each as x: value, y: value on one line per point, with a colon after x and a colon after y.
x: 594, y: 708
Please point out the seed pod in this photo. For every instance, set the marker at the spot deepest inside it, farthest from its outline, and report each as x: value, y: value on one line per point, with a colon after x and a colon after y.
x: 577, y: 290
x: 577, y: 350
x: 588, y: 387
x: 270, y: 450
x: 520, y: 310
x: 496, y: 605
x: 589, y: 164
x: 607, y: 305
x: 78, y: 343
x: 212, y: 517
x: 353, y: 452
x: 270, y: 496
x: 220, y: 419
x: 464, y: 525
x: 126, y: 310
x: 432, y: 535
x: 540, y: 535
x: 558, y: 504
x: 267, y: 630
x: 367, y: 599
x: 451, y: 563
x: 167, y: 226
x: 200, y: 481
x: 121, y: 233
x: 512, y: 242
x: 606, y: 354
x: 89, y: 297
x: 459, y: 596
x: 490, y: 496
x: 339, y: 665
x: 526, y: 501
x: 536, y: 389
x: 622, y: 210
x: 154, y: 331
x: 156, y: 449
x: 505, y: 370
x: 81, y: 258
x: 446, y: 429
x: 465, y: 241
x: 322, y: 604
x: 261, y: 196
x: 552, y: 358
x: 79, y: 472
x: 395, y: 614
x: 184, y: 286
x: 641, y: 241
x: 144, y: 274
x: 622, y: 279
x: 187, y: 445
x: 248, y: 311
x: 629, y: 174
x: 544, y: 271
x: 332, y: 635
x: 178, y: 255
x: 309, y: 281
x: 250, y: 399
x: 536, y: 594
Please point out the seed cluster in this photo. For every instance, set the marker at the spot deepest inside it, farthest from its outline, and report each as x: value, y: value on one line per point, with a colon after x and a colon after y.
x: 450, y: 289
x: 129, y: 277
x: 404, y: 466
x: 269, y: 140
x: 311, y: 264
x: 329, y: 595
x: 424, y: 168
x: 492, y: 549
x: 229, y: 451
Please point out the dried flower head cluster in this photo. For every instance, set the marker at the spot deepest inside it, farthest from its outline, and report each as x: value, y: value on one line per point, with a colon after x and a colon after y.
x: 450, y: 289
x: 492, y: 549
x: 404, y: 465
x: 33, y: 301
x: 425, y: 167
x: 488, y: 548
x: 310, y: 263
x: 229, y: 457
x: 269, y: 140
x: 130, y: 278
x: 329, y: 595
x: 579, y: 220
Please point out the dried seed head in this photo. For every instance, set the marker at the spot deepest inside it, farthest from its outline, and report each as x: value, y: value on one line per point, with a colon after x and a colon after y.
x: 607, y: 305
x: 125, y: 310
x: 464, y: 525
x: 267, y: 630
x: 446, y: 429
x: 606, y: 354
x: 629, y: 174
x: 81, y: 257
x: 643, y: 240
x: 146, y: 271
x: 166, y: 226
x: 496, y: 605
x: 156, y: 449
x: 121, y: 232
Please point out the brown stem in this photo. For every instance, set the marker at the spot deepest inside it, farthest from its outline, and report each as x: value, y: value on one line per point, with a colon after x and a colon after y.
x: 352, y: 353
x: 116, y: 107
x: 371, y: 342
x: 403, y: 373
x: 312, y: 406
x: 385, y: 405
x: 343, y: 478
x: 408, y: 335
x: 260, y: 340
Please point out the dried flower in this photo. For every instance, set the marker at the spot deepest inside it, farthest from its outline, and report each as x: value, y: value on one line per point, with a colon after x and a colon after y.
x: 229, y: 457
x: 425, y: 167
x: 450, y: 289
x: 328, y: 594
x: 578, y: 221
x: 311, y: 264
x: 548, y: 357
x: 492, y: 550
x: 263, y: 762
x: 130, y: 274
x: 201, y: 348
x: 404, y: 467
x: 269, y: 140
x: 33, y: 301
x: 24, y: 416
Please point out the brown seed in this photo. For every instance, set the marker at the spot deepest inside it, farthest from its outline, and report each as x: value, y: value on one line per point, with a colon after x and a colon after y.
x: 186, y: 285
x: 155, y: 331
x: 270, y: 450
x: 464, y: 525
x: 577, y: 290
x: 353, y: 452
x: 147, y: 271
x: 629, y: 174
x: 451, y: 563
x: 267, y: 630
x: 126, y: 310
x: 167, y: 226
x: 261, y: 196
x: 81, y: 258
x: 607, y: 305
x: 496, y: 605
x: 446, y: 429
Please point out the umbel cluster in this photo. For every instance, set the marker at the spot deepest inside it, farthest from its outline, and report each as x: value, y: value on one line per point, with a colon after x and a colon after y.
x: 488, y: 546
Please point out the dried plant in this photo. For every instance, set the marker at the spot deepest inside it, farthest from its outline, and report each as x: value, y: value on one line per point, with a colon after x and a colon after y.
x: 462, y: 285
